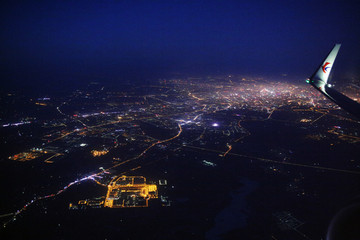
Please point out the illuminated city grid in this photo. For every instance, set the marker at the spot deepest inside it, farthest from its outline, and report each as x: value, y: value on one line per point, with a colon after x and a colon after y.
x: 189, y: 110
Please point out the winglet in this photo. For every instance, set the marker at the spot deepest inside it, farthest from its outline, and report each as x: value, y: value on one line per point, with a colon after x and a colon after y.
x: 320, y: 77
x: 319, y: 81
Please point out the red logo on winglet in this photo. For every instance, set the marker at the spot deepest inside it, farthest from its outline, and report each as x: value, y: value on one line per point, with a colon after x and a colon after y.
x: 325, y: 68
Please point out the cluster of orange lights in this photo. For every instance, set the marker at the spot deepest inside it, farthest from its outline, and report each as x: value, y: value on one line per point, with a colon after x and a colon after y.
x: 27, y: 156
x: 97, y: 153
x: 126, y: 185
x: 41, y: 104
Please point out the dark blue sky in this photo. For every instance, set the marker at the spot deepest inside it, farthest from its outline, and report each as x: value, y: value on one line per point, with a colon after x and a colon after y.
x: 45, y: 41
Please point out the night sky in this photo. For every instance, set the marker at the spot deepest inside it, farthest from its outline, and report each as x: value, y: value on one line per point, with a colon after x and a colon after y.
x: 62, y: 42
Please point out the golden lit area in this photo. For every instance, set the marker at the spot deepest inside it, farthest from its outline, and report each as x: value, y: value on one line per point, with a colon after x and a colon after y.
x: 304, y: 120
x: 25, y: 156
x: 129, y: 191
x: 28, y: 155
x: 41, y: 104
x: 35, y: 153
x: 97, y: 153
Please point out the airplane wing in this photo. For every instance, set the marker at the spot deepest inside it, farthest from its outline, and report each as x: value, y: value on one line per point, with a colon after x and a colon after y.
x: 319, y: 81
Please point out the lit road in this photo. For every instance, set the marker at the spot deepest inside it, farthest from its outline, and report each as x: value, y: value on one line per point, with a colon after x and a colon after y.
x: 275, y: 161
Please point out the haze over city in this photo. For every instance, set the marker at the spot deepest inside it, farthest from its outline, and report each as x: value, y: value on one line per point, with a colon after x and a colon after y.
x: 120, y: 41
